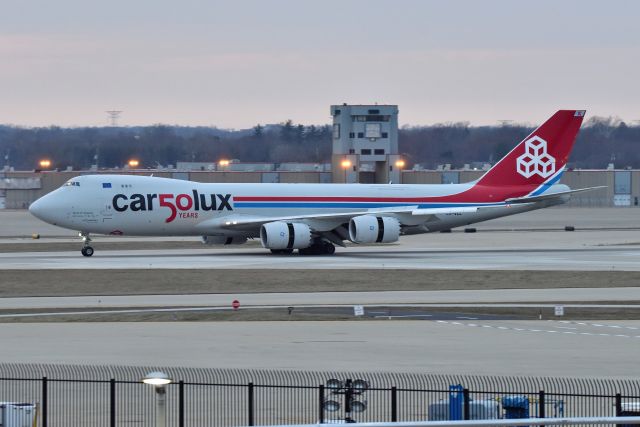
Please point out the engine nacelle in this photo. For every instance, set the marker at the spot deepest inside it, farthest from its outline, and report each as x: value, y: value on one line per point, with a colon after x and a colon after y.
x: 223, y: 240
x: 374, y: 229
x: 285, y: 235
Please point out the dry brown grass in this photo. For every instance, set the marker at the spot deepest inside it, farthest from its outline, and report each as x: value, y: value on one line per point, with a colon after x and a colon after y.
x: 25, y: 283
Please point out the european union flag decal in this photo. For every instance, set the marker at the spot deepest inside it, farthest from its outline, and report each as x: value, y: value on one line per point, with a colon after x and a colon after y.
x: 106, y: 185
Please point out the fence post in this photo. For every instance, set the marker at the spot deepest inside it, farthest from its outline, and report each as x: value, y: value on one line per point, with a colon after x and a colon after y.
x: 321, y: 403
x: 541, y: 405
x: 618, y: 404
x: 181, y: 403
x: 44, y: 401
x: 467, y: 411
x: 394, y: 404
x: 619, y: 407
x: 112, y: 402
x: 250, y: 403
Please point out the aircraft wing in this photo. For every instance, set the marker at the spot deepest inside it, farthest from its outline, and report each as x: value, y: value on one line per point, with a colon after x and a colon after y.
x: 550, y: 196
x: 328, y: 221
x: 444, y: 211
x: 324, y: 222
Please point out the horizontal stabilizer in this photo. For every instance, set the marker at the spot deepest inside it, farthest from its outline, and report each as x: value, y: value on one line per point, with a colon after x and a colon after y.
x: 551, y: 195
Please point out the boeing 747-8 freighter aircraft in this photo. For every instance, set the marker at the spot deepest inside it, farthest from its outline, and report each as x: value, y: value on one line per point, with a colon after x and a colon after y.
x: 313, y: 218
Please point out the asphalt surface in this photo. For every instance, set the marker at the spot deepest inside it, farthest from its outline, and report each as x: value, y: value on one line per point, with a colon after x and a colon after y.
x: 488, y: 347
x: 625, y: 258
x: 445, y: 342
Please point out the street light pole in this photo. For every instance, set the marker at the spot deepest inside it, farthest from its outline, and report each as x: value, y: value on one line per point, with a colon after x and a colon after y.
x: 161, y: 406
x: 159, y: 380
x: 348, y: 398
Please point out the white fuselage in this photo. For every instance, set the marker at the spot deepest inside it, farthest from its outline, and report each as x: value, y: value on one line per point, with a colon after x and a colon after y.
x: 147, y: 206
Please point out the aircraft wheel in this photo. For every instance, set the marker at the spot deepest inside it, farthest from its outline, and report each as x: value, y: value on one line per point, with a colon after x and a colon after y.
x: 282, y: 251
x: 306, y: 251
x: 329, y: 248
x: 87, y: 251
x: 322, y: 248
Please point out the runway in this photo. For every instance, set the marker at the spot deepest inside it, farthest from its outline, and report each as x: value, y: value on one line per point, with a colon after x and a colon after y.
x: 626, y: 258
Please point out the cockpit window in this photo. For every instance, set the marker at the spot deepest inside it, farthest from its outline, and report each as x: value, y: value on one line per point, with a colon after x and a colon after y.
x: 72, y: 184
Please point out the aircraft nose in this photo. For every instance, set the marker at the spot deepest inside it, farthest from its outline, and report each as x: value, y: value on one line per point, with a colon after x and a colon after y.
x: 47, y: 208
x: 37, y: 208
x: 53, y: 208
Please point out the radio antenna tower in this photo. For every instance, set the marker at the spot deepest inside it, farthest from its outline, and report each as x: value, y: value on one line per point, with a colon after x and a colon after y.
x: 114, y: 115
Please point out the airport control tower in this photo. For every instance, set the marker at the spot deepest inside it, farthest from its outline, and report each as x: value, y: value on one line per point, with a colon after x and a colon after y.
x: 365, y: 143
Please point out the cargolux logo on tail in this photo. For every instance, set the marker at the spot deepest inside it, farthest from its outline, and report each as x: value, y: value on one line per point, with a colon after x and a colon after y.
x: 536, y: 160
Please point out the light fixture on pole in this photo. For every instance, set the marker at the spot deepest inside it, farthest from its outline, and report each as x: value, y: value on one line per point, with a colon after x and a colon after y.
x: 159, y: 380
x: 352, y: 390
x: 346, y: 164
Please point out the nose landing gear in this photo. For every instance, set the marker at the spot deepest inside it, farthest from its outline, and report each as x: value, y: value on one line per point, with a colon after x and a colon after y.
x: 86, y: 250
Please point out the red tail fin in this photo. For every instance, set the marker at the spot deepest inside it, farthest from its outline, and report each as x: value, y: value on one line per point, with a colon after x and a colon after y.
x: 540, y: 156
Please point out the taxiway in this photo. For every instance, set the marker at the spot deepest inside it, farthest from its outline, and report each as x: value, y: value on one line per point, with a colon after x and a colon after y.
x: 480, y: 347
x: 277, y: 299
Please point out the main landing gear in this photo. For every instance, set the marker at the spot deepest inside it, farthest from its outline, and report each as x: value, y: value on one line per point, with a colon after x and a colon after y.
x: 282, y: 251
x: 86, y: 250
x: 319, y: 247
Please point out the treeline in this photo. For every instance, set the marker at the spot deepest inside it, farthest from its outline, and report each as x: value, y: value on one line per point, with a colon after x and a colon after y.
x: 600, y: 142
x: 162, y: 145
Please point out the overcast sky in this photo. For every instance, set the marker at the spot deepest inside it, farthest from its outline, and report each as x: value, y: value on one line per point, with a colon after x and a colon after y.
x: 236, y: 63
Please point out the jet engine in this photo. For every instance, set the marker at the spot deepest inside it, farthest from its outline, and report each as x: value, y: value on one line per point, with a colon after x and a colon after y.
x: 374, y: 229
x: 224, y: 240
x: 285, y: 235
